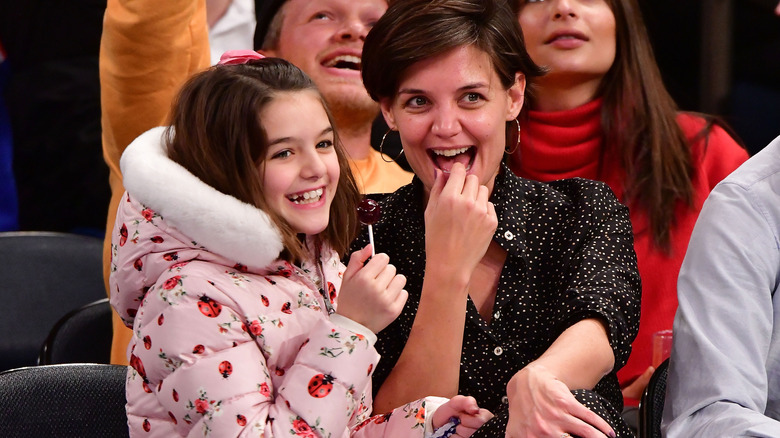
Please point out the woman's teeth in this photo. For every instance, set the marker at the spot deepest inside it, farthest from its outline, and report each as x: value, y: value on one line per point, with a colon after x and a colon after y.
x: 307, y: 197
x: 450, y: 152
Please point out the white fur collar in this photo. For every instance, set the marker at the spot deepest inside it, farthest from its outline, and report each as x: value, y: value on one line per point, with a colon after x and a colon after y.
x: 221, y: 223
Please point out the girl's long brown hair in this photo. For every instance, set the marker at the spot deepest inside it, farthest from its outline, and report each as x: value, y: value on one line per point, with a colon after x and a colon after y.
x: 216, y: 134
x: 639, y: 120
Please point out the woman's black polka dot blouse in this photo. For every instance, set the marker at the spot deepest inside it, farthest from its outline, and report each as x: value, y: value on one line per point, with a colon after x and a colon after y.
x: 569, y: 257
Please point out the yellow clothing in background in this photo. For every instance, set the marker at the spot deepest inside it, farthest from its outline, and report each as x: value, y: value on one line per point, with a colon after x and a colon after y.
x: 147, y: 51
x: 374, y: 175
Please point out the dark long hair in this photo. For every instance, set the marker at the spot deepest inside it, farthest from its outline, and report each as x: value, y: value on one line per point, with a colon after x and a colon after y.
x: 216, y: 134
x: 639, y: 121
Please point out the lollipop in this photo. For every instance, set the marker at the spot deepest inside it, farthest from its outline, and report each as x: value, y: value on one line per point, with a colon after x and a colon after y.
x: 369, y: 213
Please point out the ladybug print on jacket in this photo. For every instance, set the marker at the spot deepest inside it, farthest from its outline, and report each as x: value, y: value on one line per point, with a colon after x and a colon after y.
x: 123, y: 235
x: 147, y: 425
x: 265, y: 301
x: 147, y: 342
x: 332, y: 292
x: 225, y: 368
x: 285, y: 272
x: 137, y: 365
x: 286, y: 308
x: 171, y: 256
x: 157, y: 239
x: 198, y: 349
x: 138, y: 264
x: 209, y: 307
x: 320, y: 385
x: 241, y: 420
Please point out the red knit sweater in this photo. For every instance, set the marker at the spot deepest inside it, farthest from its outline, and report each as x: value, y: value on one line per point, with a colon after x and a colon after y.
x: 565, y: 144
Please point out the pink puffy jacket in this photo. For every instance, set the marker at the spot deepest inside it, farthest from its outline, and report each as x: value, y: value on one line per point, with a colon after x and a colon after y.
x: 229, y: 340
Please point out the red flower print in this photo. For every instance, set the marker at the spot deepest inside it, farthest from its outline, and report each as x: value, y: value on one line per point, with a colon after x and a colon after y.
x: 264, y: 390
x: 138, y: 264
x: 201, y: 406
x: 171, y: 282
x: 255, y: 328
x: 157, y: 239
x: 302, y: 429
x: 420, y: 415
x: 241, y: 420
x: 123, y: 235
x: 147, y: 214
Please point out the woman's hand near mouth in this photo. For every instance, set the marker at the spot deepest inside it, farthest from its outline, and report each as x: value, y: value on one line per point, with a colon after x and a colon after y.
x: 459, y: 224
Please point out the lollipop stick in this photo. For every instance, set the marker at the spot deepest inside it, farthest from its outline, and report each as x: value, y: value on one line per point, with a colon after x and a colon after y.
x: 371, y: 240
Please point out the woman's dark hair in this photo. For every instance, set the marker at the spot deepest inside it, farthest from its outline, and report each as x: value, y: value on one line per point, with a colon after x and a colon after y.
x: 639, y: 120
x: 216, y: 134
x: 413, y: 30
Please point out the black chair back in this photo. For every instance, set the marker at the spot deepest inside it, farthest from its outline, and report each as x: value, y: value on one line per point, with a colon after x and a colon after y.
x: 81, y: 336
x: 71, y: 400
x: 651, y: 406
x: 43, y: 276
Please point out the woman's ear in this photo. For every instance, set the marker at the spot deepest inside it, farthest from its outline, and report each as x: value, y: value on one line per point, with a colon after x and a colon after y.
x: 516, y: 96
x: 386, y: 105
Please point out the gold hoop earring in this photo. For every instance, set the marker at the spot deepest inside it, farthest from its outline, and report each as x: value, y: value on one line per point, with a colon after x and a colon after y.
x: 381, y: 146
x: 517, y: 143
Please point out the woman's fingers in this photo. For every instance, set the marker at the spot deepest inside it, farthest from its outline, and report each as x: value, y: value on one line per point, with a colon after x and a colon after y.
x: 590, y: 424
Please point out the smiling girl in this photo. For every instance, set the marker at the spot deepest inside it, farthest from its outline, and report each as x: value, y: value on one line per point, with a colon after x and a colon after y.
x: 225, y: 262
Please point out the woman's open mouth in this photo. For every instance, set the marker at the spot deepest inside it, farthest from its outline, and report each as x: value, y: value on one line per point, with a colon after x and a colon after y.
x: 444, y: 159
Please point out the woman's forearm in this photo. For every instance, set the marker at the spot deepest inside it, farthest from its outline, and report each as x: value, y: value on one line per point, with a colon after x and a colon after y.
x: 580, y: 356
x: 430, y: 361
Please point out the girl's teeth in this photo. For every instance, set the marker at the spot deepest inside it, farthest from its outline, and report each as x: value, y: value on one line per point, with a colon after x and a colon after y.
x: 449, y: 152
x: 307, y: 197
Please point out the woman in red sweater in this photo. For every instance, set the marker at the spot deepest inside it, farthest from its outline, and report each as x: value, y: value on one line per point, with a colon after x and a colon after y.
x: 602, y: 112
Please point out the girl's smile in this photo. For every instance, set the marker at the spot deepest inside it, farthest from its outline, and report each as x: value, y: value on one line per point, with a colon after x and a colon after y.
x: 301, y: 170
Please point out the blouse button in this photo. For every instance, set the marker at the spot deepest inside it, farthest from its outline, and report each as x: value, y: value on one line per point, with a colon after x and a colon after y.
x: 498, y: 351
x: 504, y: 399
x: 509, y: 236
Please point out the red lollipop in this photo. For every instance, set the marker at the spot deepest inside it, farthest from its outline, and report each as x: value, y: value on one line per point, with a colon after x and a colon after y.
x: 369, y: 213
